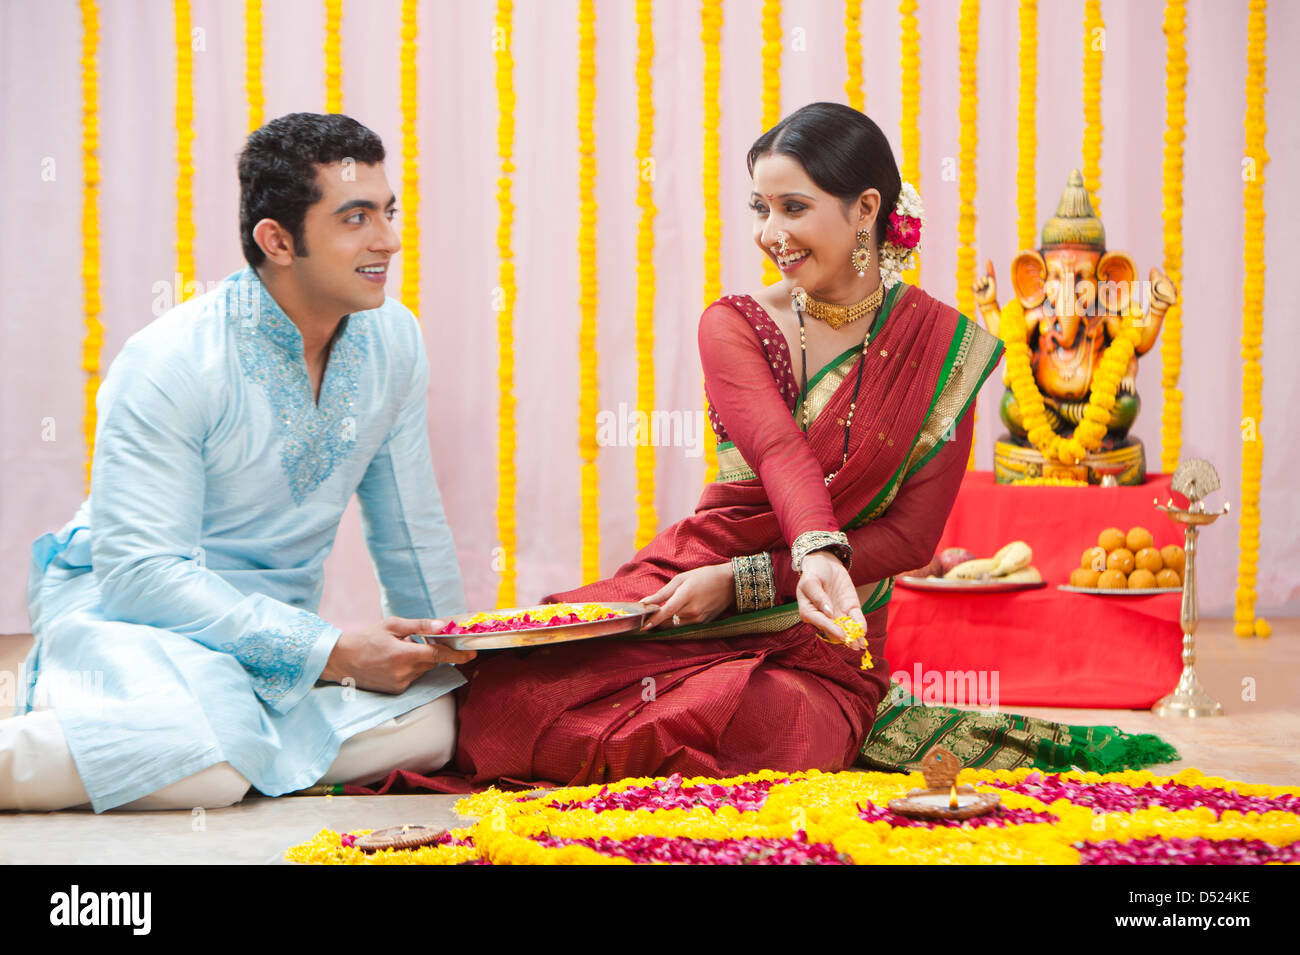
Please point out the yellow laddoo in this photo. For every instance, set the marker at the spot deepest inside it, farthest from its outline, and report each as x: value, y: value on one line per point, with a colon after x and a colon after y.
x: 1174, y: 558
x: 1138, y: 538
x: 1094, y: 558
x: 1168, y: 578
x: 1141, y: 580
x: 1120, y: 559
x: 1111, y: 538
x: 1112, y: 580
x: 1148, y: 558
x: 1083, y: 577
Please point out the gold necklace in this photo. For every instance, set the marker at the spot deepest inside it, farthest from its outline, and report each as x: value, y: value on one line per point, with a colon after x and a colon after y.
x: 837, y: 316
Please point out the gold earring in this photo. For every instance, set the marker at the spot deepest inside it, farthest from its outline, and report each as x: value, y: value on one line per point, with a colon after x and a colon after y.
x: 861, y: 256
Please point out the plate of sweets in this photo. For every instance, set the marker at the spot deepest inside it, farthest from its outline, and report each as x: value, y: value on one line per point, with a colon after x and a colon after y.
x: 957, y: 570
x: 534, y: 626
x: 1128, y: 565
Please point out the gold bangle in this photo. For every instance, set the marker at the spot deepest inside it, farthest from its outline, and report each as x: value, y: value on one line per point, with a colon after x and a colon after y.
x: 809, y: 541
x: 755, y: 582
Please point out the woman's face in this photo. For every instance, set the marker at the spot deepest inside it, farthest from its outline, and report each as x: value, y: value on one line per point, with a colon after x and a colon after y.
x: 820, y: 237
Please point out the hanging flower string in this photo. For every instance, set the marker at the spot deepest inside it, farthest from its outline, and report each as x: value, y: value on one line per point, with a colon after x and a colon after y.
x: 968, y: 112
x: 410, y: 160
x: 774, y: 818
x: 771, y: 25
x: 647, y: 522
x: 711, y: 40
x: 1246, y: 623
x: 1171, y: 333
x: 92, y: 304
x: 909, y: 128
x: 253, y: 63
x: 1094, y: 45
x: 184, y: 151
x: 588, y: 362
x: 507, y: 480
x: 853, y: 54
x: 333, y: 56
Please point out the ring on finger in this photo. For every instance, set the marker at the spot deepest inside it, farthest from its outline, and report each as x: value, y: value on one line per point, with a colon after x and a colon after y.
x: 677, y: 620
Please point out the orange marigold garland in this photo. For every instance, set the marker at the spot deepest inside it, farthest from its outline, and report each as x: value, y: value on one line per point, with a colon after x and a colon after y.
x: 647, y: 521
x: 92, y: 305
x: 909, y: 128
x: 711, y: 39
x: 184, y: 150
x: 507, y: 480
x: 333, y: 56
x: 253, y: 63
x: 1171, y: 333
x: 1094, y: 45
x: 968, y: 112
x: 1246, y: 623
x: 588, y: 279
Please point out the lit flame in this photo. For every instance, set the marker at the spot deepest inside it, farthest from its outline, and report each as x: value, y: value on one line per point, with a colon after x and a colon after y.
x: 952, y: 797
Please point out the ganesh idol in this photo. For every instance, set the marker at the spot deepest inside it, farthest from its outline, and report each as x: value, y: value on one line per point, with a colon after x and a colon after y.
x: 1085, y: 330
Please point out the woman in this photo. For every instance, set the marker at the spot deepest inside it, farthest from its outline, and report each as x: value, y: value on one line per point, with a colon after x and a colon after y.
x: 841, y: 401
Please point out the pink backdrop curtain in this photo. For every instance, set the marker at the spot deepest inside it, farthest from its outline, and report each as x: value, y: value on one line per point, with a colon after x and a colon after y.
x: 41, y: 322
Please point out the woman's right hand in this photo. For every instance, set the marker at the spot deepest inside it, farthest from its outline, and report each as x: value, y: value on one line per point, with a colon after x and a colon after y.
x: 825, y: 592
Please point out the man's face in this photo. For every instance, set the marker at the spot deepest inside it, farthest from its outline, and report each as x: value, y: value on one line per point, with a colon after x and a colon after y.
x: 350, y: 239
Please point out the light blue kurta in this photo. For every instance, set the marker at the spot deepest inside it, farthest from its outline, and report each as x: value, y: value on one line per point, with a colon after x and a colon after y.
x: 175, y: 614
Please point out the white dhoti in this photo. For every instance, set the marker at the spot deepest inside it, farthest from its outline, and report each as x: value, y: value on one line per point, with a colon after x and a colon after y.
x: 38, y: 773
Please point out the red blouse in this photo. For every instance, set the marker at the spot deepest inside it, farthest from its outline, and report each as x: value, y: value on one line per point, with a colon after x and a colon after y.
x: 750, y: 383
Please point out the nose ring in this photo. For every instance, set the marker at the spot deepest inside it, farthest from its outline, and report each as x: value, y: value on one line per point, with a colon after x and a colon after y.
x: 784, y: 240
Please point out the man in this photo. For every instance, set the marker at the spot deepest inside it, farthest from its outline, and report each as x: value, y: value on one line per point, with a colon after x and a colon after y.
x: 178, y: 657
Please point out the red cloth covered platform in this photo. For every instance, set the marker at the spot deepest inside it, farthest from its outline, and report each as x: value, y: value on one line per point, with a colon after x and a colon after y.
x: 1042, y: 647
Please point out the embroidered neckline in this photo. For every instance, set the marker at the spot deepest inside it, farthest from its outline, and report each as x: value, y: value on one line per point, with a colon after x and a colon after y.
x: 315, y: 436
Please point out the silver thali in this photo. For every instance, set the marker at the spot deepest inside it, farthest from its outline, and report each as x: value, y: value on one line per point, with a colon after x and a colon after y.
x: 629, y: 619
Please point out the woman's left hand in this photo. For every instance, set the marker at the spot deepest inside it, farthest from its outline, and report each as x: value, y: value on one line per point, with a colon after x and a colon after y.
x: 696, y: 596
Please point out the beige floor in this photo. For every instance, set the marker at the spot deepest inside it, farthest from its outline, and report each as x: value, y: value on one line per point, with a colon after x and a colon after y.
x: 1258, y: 740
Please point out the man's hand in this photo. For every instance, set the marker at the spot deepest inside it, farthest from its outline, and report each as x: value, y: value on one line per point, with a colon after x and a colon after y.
x: 825, y: 592
x: 381, y: 658
x: 696, y: 596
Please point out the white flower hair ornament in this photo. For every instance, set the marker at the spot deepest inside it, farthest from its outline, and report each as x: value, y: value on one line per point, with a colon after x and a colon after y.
x: 902, y: 236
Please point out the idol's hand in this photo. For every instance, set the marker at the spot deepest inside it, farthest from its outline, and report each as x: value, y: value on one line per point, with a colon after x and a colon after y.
x: 825, y: 592
x: 381, y: 658
x: 696, y: 596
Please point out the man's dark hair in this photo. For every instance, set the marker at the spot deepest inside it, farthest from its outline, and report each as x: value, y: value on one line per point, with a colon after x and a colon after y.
x: 277, y: 171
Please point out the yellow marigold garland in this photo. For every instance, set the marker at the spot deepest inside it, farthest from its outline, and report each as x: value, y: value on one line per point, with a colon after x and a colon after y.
x: 967, y: 112
x: 825, y: 807
x: 909, y: 128
x: 253, y: 63
x: 333, y: 56
x: 410, y: 160
x: 711, y: 39
x: 92, y: 305
x: 853, y: 88
x: 507, y: 482
x: 647, y: 521
x: 184, y: 150
x: 588, y: 380
x: 1090, y: 430
x: 1252, y: 327
x: 1094, y: 42
x: 1171, y: 343
x: 1027, y: 129
x: 771, y: 20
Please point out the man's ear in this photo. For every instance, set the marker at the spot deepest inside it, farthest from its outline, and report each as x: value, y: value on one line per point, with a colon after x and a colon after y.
x: 275, y: 241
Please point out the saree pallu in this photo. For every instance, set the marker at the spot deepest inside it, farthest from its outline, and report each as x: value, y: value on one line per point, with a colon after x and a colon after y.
x: 753, y: 691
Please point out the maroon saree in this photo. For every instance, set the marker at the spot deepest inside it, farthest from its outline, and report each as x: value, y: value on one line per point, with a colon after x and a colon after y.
x: 763, y: 695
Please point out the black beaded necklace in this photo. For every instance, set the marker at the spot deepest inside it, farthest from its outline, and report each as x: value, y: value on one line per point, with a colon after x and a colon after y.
x: 853, y: 402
